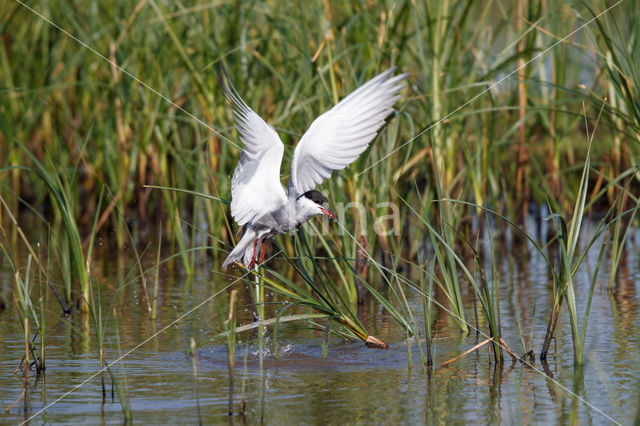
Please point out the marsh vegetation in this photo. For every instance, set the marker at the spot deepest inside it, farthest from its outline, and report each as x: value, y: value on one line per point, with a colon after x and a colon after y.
x: 489, y: 236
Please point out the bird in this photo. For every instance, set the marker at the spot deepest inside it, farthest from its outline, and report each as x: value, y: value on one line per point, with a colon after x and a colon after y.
x: 334, y: 140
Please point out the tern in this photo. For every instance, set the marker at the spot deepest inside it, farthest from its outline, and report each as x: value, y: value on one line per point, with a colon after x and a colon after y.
x: 333, y: 141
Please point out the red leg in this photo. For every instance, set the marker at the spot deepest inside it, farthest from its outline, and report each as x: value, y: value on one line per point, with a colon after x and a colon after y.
x: 253, y: 257
x: 262, y: 253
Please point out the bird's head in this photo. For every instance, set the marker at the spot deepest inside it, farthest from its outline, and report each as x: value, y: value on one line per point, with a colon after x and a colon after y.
x: 321, y: 202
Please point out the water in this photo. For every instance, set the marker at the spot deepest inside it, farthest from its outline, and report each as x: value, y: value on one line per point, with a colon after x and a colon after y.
x: 352, y: 384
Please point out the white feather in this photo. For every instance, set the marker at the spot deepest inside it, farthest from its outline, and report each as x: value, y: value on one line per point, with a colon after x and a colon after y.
x: 336, y: 138
x: 255, y: 186
x: 333, y: 141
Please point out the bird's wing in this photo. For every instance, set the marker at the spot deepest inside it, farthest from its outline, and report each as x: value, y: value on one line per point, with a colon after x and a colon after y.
x: 336, y: 138
x: 255, y: 186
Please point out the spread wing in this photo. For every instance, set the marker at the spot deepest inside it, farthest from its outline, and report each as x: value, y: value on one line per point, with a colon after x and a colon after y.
x: 336, y: 138
x: 255, y: 186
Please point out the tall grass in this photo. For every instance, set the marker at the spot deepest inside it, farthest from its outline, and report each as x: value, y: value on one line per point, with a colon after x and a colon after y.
x: 284, y: 68
x: 27, y: 315
x: 570, y: 259
x: 74, y: 127
x: 321, y: 292
x: 74, y: 258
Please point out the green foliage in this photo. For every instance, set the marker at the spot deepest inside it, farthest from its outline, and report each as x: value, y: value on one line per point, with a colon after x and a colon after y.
x: 138, y: 112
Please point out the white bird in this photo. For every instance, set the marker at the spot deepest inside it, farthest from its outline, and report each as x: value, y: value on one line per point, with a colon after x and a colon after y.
x: 333, y: 141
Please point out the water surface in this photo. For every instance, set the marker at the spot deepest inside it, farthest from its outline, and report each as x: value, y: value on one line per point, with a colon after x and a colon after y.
x: 351, y: 384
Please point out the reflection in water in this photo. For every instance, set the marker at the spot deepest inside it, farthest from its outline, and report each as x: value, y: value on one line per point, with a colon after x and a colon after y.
x: 352, y: 384
x: 625, y: 304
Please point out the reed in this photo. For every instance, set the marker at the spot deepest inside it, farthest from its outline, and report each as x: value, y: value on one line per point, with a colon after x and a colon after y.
x: 32, y: 316
x: 610, y: 37
x: 321, y: 293
x: 76, y: 130
x: 570, y: 258
x: 120, y: 384
x: 100, y: 328
x: 487, y: 295
x: 26, y: 312
x: 154, y: 305
x: 44, y: 303
x: 58, y: 190
x: 138, y: 138
x: 427, y: 309
x: 444, y: 244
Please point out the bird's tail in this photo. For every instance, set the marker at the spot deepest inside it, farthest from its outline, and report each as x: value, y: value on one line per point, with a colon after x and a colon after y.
x: 245, y: 249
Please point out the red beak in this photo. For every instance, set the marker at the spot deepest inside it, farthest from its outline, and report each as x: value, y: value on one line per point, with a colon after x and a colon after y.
x: 329, y: 213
